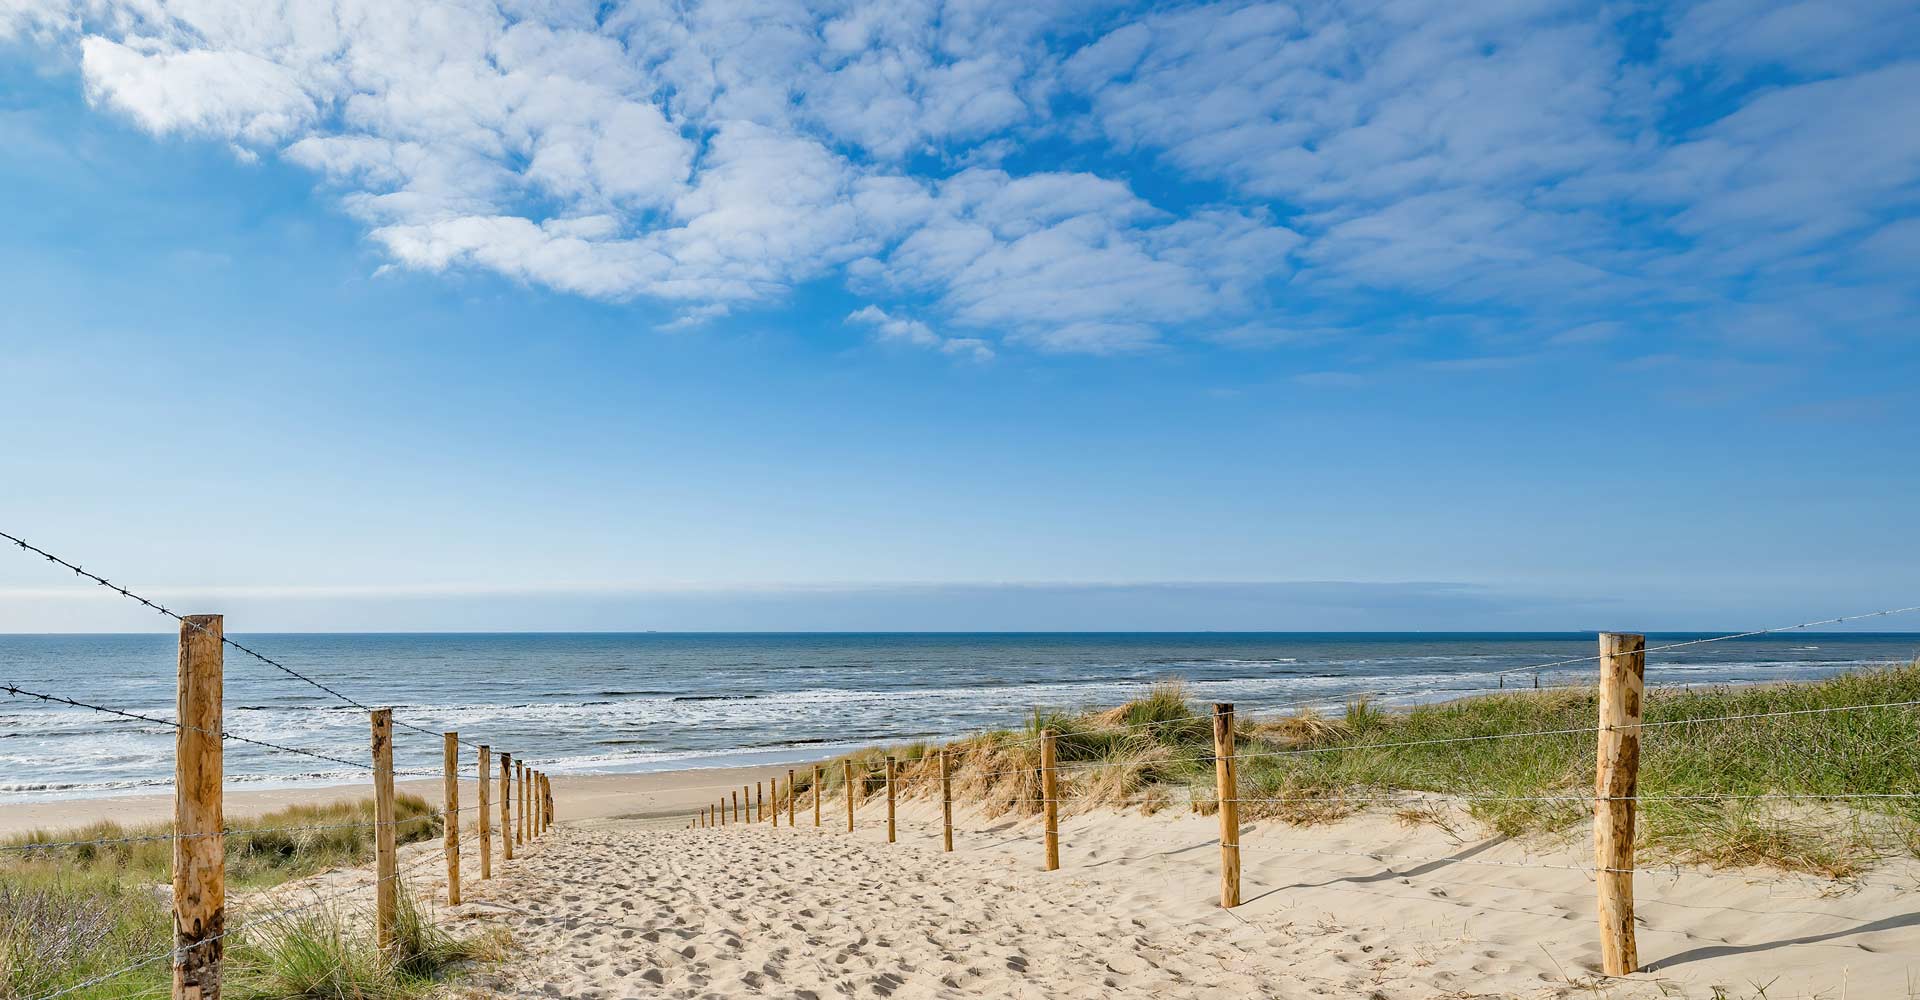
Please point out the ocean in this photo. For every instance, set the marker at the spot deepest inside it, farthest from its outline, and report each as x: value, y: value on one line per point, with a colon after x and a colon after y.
x: 603, y: 702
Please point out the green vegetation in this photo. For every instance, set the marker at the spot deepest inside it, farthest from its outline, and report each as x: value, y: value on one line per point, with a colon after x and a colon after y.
x: 1157, y: 752
x: 69, y: 914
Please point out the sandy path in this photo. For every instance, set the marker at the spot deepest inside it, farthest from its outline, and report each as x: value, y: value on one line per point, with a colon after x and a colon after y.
x: 625, y: 908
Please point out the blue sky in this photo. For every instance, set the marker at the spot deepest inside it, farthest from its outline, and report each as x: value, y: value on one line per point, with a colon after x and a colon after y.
x: 964, y: 315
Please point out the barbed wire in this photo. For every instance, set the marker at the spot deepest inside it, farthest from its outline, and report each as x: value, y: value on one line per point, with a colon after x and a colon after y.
x: 1717, y: 638
x: 26, y: 546
x: 15, y: 690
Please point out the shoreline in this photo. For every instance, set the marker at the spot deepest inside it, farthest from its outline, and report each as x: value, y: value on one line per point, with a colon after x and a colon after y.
x: 649, y: 795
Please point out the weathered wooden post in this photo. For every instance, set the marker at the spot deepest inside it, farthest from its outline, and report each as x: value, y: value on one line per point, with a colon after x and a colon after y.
x: 892, y: 772
x: 506, y: 806
x: 759, y: 803
x: 850, y: 803
x: 1049, y: 788
x: 790, y: 791
x: 946, y: 802
x: 1623, y: 670
x: 386, y: 862
x: 736, y: 807
x: 483, y: 827
x: 199, y: 852
x: 451, y: 819
x: 553, y: 809
x: 1226, y: 789
x: 816, y: 794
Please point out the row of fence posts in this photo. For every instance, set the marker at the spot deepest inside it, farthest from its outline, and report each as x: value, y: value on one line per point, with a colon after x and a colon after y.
x: 1622, y: 689
x: 199, y: 822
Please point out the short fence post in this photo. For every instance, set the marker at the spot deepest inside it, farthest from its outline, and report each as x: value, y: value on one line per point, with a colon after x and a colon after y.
x: 1623, y: 668
x: 1050, y: 788
x: 520, y: 803
x: 483, y: 827
x: 199, y: 852
x: 816, y: 795
x: 1227, y: 790
x: 759, y: 803
x: 790, y: 787
x: 506, y: 806
x: 451, y: 820
x: 386, y: 868
x: 892, y: 771
x: 775, y: 782
x: 552, y: 808
x: 849, y: 767
x: 736, y: 807
x: 946, y: 802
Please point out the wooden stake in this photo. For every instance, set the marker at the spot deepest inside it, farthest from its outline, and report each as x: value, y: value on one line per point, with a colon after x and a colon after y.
x: 1226, y: 789
x: 386, y: 867
x: 775, y: 781
x: 1049, y: 788
x: 816, y: 795
x: 946, y: 803
x: 1623, y: 670
x: 506, y: 806
x: 484, y: 826
x: 892, y: 776
x: 199, y: 853
x: 790, y: 787
x: 451, y: 821
x: 759, y: 804
x: 736, y: 807
x: 850, y: 804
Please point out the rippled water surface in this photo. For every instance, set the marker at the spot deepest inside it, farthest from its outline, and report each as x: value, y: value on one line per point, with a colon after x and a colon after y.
x: 631, y: 702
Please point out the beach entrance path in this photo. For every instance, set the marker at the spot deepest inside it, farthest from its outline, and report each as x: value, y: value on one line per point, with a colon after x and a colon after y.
x: 753, y: 911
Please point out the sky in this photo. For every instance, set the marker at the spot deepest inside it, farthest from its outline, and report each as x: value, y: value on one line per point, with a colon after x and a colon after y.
x: 970, y: 315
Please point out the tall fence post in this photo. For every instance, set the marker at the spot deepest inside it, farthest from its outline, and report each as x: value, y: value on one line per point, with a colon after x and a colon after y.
x: 506, y: 806
x: 892, y: 776
x: 946, y: 802
x: 539, y: 792
x: 1227, y: 790
x: 1050, y: 787
x: 1623, y: 670
x: 775, y: 782
x: 520, y: 821
x: 848, y: 765
x: 790, y: 788
x: 199, y: 852
x: 816, y: 795
x: 546, y: 786
x: 483, y: 826
x: 759, y: 803
x: 736, y: 807
x: 386, y: 867
x: 451, y: 820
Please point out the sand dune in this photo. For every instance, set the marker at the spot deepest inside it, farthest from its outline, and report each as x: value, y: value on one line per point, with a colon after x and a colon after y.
x: 614, y: 908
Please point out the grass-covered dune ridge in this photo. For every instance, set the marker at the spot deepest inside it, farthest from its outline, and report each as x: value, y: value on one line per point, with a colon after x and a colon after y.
x: 1789, y: 783
x: 71, y: 913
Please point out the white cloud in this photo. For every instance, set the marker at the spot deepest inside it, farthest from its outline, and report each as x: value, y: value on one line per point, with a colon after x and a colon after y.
x: 905, y: 330
x: 1555, y: 162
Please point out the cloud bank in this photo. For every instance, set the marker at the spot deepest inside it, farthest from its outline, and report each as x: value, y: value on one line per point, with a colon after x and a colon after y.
x: 1087, y: 177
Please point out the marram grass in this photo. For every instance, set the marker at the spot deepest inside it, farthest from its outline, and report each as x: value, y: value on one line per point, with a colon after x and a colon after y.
x: 1749, y: 769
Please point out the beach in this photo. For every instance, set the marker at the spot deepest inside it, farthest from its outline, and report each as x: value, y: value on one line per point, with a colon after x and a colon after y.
x: 622, y: 899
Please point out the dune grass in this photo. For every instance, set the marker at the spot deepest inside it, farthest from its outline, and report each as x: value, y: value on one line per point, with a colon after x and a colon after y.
x: 68, y: 914
x: 1316, y: 768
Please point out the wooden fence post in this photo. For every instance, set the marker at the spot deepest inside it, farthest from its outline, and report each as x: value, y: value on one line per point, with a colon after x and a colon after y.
x: 736, y: 807
x: 1226, y: 789
x: 790, y: 787
x: 386, y: 867
x: 776, y: 799
x: 506, y: 806
x: 451, y: 819
x: 849, y: 776
x: 816, y: 795
x: 553, y: 810
x: 891, y: 772
x: 759, y: 803
x: 199, y: 852
x: 484, y: 826
x: 946, y: 802
x: 1049, y: 788
x: 1623, y: 669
